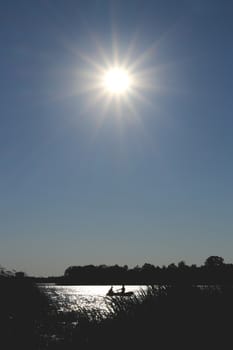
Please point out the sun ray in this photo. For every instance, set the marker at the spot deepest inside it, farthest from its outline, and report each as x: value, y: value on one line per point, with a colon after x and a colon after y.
x: 115, y: 49
x: 114, y: 82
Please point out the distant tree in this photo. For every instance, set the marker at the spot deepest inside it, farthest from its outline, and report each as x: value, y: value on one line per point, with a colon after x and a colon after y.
x: 193, y: 266
x: 172, y: 266
x: 214, y: 261
x: 148, y: 267
x: 19, y: 274
x: 136, y: 268
x: 103, y: 266
x: 182, y: 264
x: 69, y: 271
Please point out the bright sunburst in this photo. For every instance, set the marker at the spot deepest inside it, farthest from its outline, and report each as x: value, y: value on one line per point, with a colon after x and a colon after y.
x: 117, y: 80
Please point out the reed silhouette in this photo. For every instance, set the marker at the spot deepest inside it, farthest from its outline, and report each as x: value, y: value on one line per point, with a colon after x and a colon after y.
x: 175, y: 315
x: 180, y: 316
x: 167, y: 317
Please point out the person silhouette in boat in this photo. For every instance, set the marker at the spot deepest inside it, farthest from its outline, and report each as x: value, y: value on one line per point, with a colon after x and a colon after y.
x: 110, y: 292
x: 123, y: 289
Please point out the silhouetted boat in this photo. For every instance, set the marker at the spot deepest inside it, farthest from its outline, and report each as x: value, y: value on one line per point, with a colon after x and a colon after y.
x: 113, y: 294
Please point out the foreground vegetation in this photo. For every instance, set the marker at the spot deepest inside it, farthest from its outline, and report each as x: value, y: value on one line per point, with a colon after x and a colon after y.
x: 169, y: 317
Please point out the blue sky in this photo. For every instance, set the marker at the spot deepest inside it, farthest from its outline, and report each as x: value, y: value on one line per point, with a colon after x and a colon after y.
x: 84, y: 183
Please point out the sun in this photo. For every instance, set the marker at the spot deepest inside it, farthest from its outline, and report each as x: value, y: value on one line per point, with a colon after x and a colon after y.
x: 117, y: 81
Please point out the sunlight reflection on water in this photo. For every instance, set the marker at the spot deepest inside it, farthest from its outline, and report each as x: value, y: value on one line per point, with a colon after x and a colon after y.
x: 71, y: 298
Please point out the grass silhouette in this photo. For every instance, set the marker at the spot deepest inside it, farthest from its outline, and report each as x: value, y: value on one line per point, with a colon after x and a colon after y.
x: 167, y: 317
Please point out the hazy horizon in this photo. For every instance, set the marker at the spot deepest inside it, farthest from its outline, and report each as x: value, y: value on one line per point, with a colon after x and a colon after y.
x: 91, y: 177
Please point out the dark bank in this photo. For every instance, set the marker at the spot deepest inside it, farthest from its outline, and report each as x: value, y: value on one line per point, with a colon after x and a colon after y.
x: 178, y: 315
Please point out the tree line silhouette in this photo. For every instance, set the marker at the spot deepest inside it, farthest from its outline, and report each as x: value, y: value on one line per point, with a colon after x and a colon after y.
x: 214, y: 271
x: 174, y: 314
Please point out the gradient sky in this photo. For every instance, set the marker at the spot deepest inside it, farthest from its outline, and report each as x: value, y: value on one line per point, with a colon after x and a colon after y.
x: 84, y: 183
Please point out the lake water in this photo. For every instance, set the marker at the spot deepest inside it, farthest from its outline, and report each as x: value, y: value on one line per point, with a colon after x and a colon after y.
x: 71, y: 298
